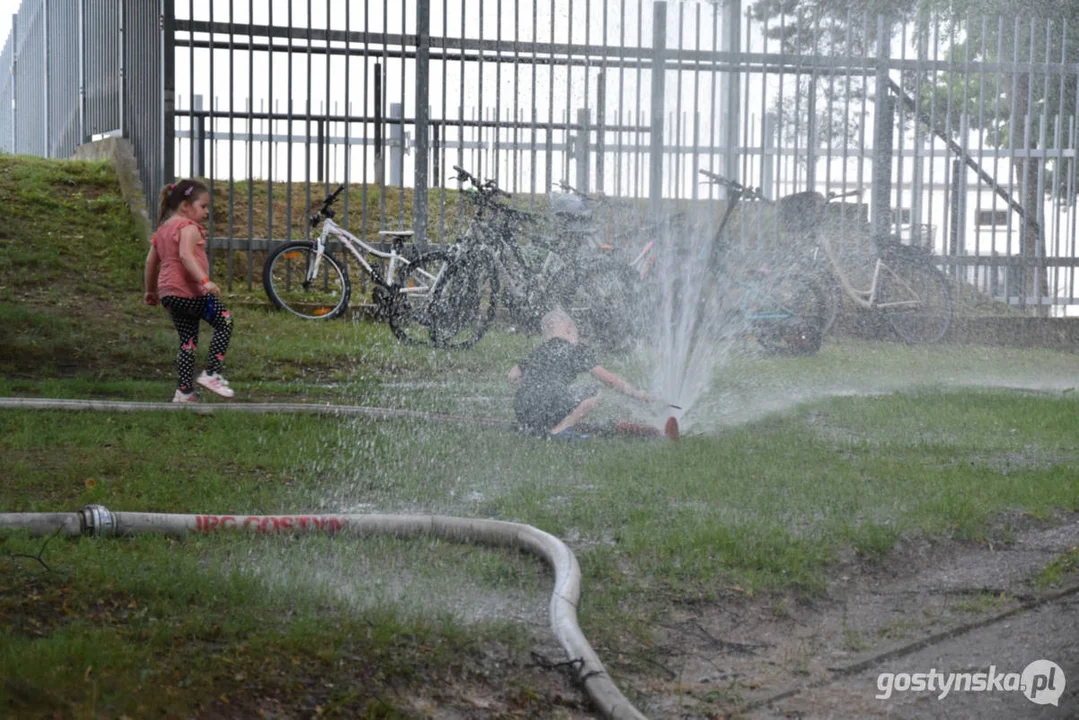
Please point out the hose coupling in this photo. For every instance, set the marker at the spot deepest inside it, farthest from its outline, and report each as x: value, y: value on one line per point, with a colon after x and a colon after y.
x: 98, y: 520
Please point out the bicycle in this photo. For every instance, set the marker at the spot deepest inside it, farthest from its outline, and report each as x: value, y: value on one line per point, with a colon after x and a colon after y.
x: 781, y: 308
x: 905, y: 286
x: 550, y: 270
x: 307, y: 280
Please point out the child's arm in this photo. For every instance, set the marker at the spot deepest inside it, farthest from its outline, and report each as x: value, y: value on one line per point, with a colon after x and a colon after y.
x: 149, y: 278
x: 616, y: 383
x: 189, y: 240
x: 515, y: 374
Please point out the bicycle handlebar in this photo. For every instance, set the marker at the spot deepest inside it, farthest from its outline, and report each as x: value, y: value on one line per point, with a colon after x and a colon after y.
x: 735, y: 187
x: 326, y: 211
x: 490, y: 186
x: 833, y: 195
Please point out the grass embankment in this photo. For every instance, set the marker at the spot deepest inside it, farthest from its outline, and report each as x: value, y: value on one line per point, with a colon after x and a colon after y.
x: 226, y: 626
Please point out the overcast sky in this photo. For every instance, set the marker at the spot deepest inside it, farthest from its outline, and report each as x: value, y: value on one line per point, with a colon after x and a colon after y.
x: 7, y: 9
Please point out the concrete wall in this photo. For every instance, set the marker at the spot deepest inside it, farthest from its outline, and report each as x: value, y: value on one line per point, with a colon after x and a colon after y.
x: 120, y: 154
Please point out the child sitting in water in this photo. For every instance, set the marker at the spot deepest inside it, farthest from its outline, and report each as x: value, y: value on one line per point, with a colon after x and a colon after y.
x: 547, y: 402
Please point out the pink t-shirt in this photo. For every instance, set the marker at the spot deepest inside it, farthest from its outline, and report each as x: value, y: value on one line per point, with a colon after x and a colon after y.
x: 173, y: 278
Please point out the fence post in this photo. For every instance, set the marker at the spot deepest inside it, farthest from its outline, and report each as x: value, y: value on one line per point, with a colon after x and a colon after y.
x: 124, y: 130
x: 730, y: 96
x: 167, y: 27
x: 380, y: 160
x: 882, y: 131
x: 655, y: 155
x: 955, y: 228
x: 45, y: 83
x: 14, y: 81
x: 581, y: 150
x: 423, y: 62
x: 82, y: 72
x: 601, y: 114
x: 768, y: 162
x: 198, y: 138
x: 397, y: 145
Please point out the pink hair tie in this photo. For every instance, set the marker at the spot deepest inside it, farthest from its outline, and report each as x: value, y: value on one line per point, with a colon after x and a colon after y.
x: 171, y: 187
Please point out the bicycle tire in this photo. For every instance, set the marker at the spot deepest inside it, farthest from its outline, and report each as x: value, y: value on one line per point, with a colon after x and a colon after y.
x: 914, y: 297
x: 284, y: 280
x: 454, y: 312
x: 798, y: 306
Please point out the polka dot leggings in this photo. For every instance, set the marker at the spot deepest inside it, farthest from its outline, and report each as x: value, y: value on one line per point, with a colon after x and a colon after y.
x: 186, y: 313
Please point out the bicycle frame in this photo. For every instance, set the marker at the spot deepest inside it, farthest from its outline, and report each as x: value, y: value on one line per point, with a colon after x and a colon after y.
x: 867, y: 299
x: 354, y: 245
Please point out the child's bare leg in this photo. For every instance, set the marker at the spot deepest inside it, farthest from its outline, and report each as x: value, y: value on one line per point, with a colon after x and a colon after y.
x: 587, y: 405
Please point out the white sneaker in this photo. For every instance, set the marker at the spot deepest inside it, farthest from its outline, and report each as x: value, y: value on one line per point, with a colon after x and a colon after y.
x: 215, y: 383
x: 181, y: 397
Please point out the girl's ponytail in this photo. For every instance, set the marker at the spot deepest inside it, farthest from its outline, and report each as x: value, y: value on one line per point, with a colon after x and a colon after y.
x: 163, y: 204
x: 173, y: 196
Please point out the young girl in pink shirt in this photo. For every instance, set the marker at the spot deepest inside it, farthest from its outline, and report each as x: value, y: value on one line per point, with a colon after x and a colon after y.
x: 177, y: 275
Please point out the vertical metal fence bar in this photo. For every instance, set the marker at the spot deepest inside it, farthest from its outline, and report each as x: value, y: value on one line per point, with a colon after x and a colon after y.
x: 167, y: 119
x: 638, y: 138
x: 440, y: 172
x: 45, y: 77
x: 461, y: 108
x: 535, y: 120
x: 7, y: 90
x: 601, y: 111
x: 381, y: 92
x: 308, y: 117
x: 1073, y: 187
x: 659, y: 47
x: 212, y: 136
x: 82, y: 71
x: 326, y: 150
x: 766, y: 161
x: 549, y: 133
x: 271, y: 126
x: 676, y: 157
x: 400, y: 150
x: 288, y: 131
x: 196, y: 138
x: 619, y: 118
x: 980, y: 272
x: 348, y: 114
x: 231, y: 184
x: 251, y: 143
x: 423, y: 63
x: 365, y: 105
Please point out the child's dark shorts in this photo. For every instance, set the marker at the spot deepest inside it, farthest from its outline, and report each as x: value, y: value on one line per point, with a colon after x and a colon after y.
x: 539, y: 408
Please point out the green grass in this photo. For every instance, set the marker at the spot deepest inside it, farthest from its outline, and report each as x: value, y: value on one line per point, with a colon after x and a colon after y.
x: 788, y: 465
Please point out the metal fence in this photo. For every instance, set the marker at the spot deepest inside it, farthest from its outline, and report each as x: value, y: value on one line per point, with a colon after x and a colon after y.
x: 961, y: 133
x: 76, y: 69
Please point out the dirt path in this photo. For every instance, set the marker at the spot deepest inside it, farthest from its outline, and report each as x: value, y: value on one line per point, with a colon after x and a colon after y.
x: 954, y: 607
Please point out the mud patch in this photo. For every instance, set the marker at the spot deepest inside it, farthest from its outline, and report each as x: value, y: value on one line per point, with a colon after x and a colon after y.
x: 927, y: 604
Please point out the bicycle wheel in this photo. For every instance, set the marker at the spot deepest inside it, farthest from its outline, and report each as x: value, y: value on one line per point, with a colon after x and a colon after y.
x: 441, y: 300
x: 787, y: 314
x: 284, y: 277
x: 914, y: 297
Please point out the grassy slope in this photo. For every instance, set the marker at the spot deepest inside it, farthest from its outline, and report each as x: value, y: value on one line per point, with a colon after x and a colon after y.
x: 225, y: 627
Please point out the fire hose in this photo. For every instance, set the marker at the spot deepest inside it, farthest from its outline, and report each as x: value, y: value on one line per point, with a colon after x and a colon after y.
x: 97, y: 520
